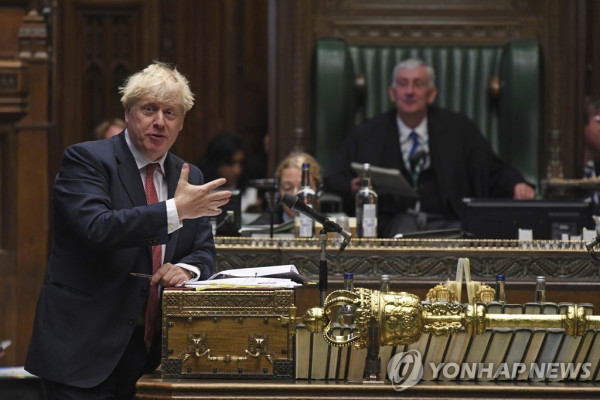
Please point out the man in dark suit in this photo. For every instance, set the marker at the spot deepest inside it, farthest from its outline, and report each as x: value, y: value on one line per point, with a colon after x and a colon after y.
x: 440, y: 152
x: 121, y: 205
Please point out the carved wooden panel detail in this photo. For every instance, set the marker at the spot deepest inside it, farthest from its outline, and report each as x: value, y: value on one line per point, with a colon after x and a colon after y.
x: 433, y: 260
x: 98, y: 46
x: 433, y: 21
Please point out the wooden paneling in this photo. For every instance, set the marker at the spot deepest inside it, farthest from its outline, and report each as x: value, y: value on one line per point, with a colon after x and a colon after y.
x: 10, y: 20
x: 98, y: 45
x: 220, y: 48
x: 24, y: 127
x: 218, y: 45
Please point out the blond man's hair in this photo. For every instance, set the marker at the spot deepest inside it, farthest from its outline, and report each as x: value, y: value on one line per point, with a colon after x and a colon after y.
x: 295, y: 160
x: 159, y: 82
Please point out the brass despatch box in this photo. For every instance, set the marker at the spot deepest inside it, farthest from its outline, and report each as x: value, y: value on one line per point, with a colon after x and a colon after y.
x: 237, y: 333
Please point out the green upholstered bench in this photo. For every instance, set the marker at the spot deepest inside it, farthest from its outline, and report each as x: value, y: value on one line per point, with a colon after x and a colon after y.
x: 497, y: 86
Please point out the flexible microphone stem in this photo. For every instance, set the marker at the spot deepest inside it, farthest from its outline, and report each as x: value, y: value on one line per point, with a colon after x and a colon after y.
x: 294, y: 203
x: 590, y: 247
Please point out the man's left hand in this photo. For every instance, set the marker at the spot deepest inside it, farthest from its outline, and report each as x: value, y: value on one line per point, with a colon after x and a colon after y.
x: 523, y: 191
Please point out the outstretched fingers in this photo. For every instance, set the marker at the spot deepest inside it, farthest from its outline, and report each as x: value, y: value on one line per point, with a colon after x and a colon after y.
x: 218, y: 199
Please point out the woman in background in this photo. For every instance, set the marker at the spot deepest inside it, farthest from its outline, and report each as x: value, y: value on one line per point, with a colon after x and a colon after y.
x: 225, y: 157
x: 289, y: 178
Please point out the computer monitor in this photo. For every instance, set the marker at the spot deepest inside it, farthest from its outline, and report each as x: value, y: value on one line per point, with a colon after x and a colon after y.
x: 229, y: 221
x: 547, y: 219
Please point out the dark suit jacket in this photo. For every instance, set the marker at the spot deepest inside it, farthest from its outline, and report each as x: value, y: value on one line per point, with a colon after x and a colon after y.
x: 103, y: 230
x: 463, y: 162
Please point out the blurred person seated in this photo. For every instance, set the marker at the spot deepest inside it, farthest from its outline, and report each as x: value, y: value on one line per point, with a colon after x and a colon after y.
x: 225, y: 157
x: 109, y: 128
x: 289, y: 177
x: 441, y: 153
x: 591, y: 155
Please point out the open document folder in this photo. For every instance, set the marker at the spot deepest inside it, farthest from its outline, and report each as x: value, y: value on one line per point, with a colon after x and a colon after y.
x: 278, y: 276
x: 387, y: 181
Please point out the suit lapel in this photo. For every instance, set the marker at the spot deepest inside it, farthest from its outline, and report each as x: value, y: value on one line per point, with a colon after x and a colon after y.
x: 172, y: 171
x: 129, y: 173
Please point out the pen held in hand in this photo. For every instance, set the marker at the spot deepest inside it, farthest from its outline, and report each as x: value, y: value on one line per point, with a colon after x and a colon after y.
x: 138, y: 275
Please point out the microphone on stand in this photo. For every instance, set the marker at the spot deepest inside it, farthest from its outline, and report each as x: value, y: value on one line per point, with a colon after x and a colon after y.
x: 263, y: 183
x: 294, y: 203
x: 417, y: 159
x: 590, y: 247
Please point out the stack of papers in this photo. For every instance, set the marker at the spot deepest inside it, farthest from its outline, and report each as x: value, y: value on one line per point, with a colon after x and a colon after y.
x: 15, y: 372
x: 277, y: 228
x: 278, y: 276
x: 387, y: 180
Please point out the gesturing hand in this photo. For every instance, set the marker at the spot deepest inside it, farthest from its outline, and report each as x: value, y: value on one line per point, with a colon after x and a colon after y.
x: 194, y: 201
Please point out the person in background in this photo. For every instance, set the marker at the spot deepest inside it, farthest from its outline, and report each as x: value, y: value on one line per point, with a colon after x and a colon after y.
x: 289, y: 177
x: 441, y: 153
x: 109, y: 128
x: 122, y: 205
x: 591, y: 154
x: 225, y: 157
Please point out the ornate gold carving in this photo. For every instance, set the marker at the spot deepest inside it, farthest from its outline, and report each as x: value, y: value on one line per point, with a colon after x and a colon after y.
x: 440, y: 293
x: 439, y: 328
x: 229, y: 302
x: 485, y: 294
x: 258, y: 344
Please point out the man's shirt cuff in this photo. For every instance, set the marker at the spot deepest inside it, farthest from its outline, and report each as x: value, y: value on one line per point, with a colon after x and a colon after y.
x: 173, y: 222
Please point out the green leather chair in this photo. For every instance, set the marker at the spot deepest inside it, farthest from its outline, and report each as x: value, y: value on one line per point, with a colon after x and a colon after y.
x: 498, y: 87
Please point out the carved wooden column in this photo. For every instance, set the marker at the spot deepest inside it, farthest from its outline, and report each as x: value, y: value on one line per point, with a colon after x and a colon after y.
x: 289, y: 47
x: 30, y: 196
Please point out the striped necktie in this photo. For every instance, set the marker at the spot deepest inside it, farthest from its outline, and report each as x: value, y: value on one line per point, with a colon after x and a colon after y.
x: 415, y: 143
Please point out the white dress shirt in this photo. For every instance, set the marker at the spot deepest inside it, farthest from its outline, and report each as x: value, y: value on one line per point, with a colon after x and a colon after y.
x: 160, y: 182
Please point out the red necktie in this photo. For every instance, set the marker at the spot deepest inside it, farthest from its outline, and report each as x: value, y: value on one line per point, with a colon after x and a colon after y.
x: 152, y: 305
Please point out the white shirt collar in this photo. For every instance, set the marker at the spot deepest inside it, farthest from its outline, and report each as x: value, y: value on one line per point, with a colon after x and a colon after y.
x: 140, y: 159
x: 405, y: 131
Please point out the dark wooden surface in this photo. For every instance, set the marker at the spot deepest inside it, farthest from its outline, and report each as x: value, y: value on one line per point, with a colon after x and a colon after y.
x: 151, y: 387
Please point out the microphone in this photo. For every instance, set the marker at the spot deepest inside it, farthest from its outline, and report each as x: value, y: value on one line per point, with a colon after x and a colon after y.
x: 418, y: 158
x: 294, y: 203
x: 590, y: 247
x: 263, y: 183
